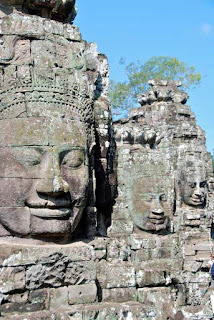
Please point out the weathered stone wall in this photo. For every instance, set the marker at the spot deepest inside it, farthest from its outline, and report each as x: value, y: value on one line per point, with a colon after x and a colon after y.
x: 164, y: 195
x: 68, y: 249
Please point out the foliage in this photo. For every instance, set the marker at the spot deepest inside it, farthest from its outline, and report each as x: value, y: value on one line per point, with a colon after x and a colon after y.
x: 123, y: 95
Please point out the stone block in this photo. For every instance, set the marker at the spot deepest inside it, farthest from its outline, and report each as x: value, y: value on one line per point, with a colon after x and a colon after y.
x: 78, y: 273
x: 71, y: 32
x: 82, y: 294
x: 192, y: 216
x: 15, y: 307
x: 196, y: 292
x: 119, y: 294
x: 205, y: 263
x: 190, y: 258
x: 143, y: 255
x: 202, y: 255
x: 162, y: 253
x: 41, y: 275
x: 100, y: 254
x: 26, y: 302
x: 53, y: 27
x: 12, y: 279
x: 119, y: 214
x: 16, y: 254
x: 204, y: 246
x: 39, y: 297
x: 192, y: 223
x: 100, y: 246
x: 192, y: 266
x: 156, y: 265
x: 135, y: 243
x: 118, y: 275
x: 199, y: 277
x: 189, y: 250
x: 19, y: 297
x: 117, y: 249
x: 118, y: 227
x: 149, y: 278
x: 58, y: 297
x: 159, y: 300
x: 29, y: 26
x: 39, y: 315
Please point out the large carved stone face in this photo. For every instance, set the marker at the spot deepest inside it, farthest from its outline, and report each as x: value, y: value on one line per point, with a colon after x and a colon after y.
x: 43, y: 176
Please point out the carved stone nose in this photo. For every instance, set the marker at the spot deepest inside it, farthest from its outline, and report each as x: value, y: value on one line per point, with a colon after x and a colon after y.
x: 156, y: 207
x: 51, y: 182
x: 198, y: 192
x: 156, y: 210
x: 54, y: 186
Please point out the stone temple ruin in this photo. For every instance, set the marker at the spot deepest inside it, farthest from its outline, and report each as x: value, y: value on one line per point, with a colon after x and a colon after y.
x: 97, y: 221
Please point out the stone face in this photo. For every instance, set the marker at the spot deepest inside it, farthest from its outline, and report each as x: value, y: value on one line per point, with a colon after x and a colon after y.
x: 68, y: 248
x: 47, y: 89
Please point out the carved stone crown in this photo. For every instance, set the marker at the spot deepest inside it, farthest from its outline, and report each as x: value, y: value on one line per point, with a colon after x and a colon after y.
x: 44, y: 95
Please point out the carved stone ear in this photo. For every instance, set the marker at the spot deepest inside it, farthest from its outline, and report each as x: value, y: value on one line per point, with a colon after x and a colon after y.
x: 91, y: 140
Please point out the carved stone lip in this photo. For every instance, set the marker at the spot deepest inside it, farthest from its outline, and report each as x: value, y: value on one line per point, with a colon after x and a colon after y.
x: 50, y: 213
x: 197, y: 201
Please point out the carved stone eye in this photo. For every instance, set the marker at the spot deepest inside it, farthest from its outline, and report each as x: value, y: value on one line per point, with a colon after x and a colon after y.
x: 203, y: 184
x: 28, y: 157
x: 73, y: 159
x: 163, y: 197
x: 192, y: 185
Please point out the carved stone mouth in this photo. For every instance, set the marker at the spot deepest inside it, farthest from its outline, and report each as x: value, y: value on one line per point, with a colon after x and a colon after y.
x: 156, y: 218
x: 158, y: 224
x: 54, y: 213
x: 197, y: 201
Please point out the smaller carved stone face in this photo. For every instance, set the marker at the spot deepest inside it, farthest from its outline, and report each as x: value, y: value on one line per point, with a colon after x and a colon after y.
x: 194, y: 192
x: 151, y: 208
x: 153, y: 214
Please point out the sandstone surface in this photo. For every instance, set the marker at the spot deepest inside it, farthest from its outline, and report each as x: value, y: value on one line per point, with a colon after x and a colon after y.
x: 97, y: 220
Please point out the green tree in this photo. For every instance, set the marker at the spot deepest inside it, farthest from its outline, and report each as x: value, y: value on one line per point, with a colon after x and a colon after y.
x: 123, y: 95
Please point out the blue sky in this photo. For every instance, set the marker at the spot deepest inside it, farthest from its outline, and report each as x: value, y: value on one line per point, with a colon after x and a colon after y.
x: 141, y: 29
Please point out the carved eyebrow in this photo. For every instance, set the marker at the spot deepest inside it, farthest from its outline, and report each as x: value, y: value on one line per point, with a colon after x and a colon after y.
x: 27, y: 156
x: 36, y: 148
x: 65, y: 149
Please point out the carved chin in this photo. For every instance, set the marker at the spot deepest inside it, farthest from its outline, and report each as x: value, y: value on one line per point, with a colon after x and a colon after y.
x: 46, y: 223
x: 50, y: 228
x: 156, y: 226
x: 195, y: 202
